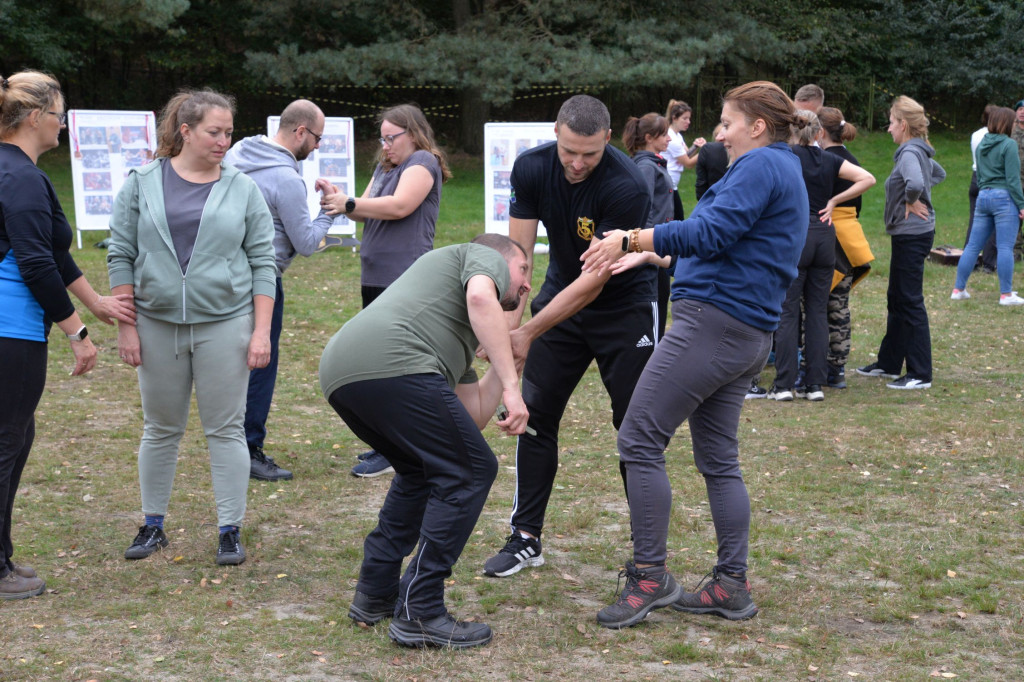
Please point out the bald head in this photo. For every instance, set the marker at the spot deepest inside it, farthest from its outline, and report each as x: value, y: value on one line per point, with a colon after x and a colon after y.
x: 302, y: 123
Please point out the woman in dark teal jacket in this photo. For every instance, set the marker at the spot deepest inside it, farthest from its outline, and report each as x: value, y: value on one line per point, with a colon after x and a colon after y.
x: 999, y: 206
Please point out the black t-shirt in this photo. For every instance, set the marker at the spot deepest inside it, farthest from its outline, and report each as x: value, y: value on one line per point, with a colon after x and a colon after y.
x: 843, y: 185
x: 613, y: 197
x: 821, y: 173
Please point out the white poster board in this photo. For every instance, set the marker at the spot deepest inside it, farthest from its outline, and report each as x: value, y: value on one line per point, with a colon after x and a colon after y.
x: 334, y: 160
x: 105, y: 146
x: 503, y: 142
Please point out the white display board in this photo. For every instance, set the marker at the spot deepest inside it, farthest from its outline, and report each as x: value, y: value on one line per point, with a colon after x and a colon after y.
x: 105, y: 146
x: 503, y: 142
x: 334, y: 161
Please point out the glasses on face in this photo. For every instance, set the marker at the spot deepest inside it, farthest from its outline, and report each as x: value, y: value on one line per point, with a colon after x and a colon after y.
x: 389, y: 140
x: 315, y: 136
x: 62, y: 117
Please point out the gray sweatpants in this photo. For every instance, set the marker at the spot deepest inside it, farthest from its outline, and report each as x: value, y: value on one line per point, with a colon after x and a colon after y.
x: 213, y: 356
x: 700, y: 371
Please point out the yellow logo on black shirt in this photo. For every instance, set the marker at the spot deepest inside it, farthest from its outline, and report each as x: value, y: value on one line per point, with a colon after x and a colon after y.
x: 585, y: 228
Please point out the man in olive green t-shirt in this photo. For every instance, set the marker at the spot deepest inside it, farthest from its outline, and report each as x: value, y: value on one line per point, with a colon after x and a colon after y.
x: 400, y: 374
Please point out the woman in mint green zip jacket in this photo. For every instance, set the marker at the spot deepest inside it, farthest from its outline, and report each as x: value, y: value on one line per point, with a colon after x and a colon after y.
x: 192, y: 241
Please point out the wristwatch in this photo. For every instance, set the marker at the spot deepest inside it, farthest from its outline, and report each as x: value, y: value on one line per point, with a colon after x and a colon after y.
x: 79, y: 335
x: 350, y: 205
x: 625, y: 243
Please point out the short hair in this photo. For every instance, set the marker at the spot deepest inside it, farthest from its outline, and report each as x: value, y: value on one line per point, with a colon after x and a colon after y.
x: 634, y: 135
x: 585, y: 115
x: 989, y: 108
x: 188, y: 107
x: 766, y: 101
x: 906, y: 109
x: 805, y: 136
x: 506, y: 246
x: 839, y: 130
x: 1000, y: 120
x: 23, y: 93
x: 301, y: 112
x: 810, y: 93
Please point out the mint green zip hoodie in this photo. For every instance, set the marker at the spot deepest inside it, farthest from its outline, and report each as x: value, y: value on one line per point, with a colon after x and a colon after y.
x: 999, y: 166
x: 232, y: 261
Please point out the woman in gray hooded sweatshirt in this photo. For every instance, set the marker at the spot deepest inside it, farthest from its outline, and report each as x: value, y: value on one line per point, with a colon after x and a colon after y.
x: 910, y: 221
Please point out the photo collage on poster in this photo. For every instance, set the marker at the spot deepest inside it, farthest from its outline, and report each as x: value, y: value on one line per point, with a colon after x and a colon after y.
x: 334, y: 161
x: 105, y: 146
x: 503, y: 142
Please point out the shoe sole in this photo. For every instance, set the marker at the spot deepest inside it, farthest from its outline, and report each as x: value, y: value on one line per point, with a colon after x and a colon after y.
x: 781, y: 399
x: 910, y: 388
x: 754, y: 396
x: 159, y: 546
x: 420, y: 639
x: 11, y: 596
x: 745, y: 614
x: 532, y: 562
x: 815, y: 397
x: 257, y: 477
x: 641, y: 614
x: 367, y: 618
x: 230, y: 559
x: 374, y: 474
x: 878, y: 374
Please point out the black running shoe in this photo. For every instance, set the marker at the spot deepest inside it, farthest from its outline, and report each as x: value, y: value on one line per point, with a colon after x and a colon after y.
x: 442, y: 631
x: 366, y: 610
x: 263, y: 468
x: 646, y: 589
x: 518, y: 553
x: 149, y: 540
x: 723, y: 596
x: 229, y: 550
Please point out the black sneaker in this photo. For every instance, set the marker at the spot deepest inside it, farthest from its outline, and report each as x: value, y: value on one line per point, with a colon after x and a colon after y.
x: 229, y: 550
x: 836, y: 376
x: 755, y: 392
x: 263, y: 468
x: 645, y: 591
x: 873, y: 370
x: 366, y: 610
x: 723, y: 596
x: 813, y: 393
x: 442, y: 631
x: 518, y: 553
x: 149, y: 540
x: 374, y: 465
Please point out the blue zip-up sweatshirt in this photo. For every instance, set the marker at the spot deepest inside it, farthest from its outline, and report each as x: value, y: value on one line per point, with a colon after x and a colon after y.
x: 232, y: 261
x: 739, y: 249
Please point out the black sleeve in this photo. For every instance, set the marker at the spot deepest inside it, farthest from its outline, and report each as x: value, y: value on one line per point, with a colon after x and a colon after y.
x: 702, y: 184
x: 30, y: 216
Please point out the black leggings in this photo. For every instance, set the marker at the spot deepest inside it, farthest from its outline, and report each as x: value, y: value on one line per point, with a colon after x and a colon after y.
x: 21, y: 386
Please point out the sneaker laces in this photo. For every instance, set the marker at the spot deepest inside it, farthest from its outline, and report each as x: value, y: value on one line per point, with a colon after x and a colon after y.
x: 229, y: 541
x: 637, y: 585
x: 146, y: 533
x: 515, y: 543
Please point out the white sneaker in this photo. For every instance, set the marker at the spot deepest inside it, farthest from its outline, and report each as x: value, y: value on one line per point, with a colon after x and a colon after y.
x: 1011, y: 299
x: 959, y: 295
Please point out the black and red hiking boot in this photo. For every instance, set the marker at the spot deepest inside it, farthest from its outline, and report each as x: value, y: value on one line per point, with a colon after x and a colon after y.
x: 723, y: 596
x: 646, y: 589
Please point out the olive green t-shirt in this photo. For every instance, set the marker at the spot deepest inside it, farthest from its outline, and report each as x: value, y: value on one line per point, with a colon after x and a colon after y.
x: 419, y: 325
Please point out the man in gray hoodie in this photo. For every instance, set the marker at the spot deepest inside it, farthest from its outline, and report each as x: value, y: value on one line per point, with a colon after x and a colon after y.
x: 273, y: 163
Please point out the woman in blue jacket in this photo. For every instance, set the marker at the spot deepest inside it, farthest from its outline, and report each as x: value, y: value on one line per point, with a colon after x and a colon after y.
x: 999, y: 206
x: 191, y: 240
x: 738, y: 254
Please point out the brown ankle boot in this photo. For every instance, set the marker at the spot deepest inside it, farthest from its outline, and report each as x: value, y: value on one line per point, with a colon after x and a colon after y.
x: 25, y: 571
x: 14, y: 586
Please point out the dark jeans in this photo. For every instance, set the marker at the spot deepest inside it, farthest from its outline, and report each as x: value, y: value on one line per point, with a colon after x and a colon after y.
x: 21, y: 386
x: 443, y: 472
x: 808, y: 291
x: 699, y: 372
x: 263, y: 380
x: 621, y: 340
x: 907, y: 337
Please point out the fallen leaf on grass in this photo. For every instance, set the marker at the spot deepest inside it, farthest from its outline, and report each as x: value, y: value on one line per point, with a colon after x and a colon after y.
x: 950, y: 574
x: 812, y: 668
x: 572, y: 579
x: 859, y: 620
x: 581, y: 628
x: 282, y: 575
x: 961, y: 614
x: 38, y: 627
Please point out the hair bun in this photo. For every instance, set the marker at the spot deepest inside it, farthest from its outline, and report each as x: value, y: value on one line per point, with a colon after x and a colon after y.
x: 5, y: 83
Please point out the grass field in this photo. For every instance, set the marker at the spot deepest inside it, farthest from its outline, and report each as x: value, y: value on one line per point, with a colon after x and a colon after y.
x: 886, y: 528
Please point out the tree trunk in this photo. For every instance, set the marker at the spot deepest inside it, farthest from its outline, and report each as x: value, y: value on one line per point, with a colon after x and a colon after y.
x: 473, y: 114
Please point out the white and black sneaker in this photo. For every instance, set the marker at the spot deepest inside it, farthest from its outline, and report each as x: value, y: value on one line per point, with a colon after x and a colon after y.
x: 907, y: 382
x: 519, y: 552
x: 229, y: 550
x: 149, y: 540
x: 875, y: 370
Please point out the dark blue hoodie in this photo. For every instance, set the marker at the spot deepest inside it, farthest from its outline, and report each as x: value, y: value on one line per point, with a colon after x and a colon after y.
x: 739, y: 249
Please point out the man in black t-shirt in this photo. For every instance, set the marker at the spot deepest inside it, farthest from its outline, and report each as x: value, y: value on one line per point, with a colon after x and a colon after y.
x: 581, y: 188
